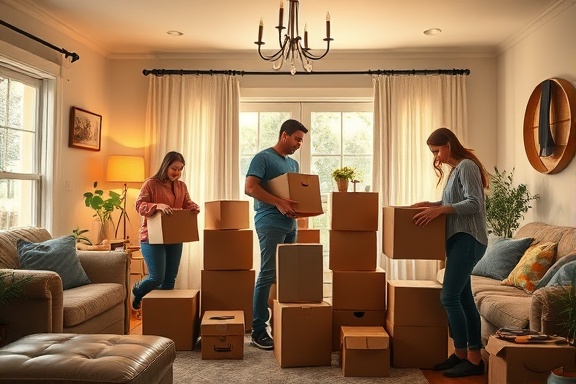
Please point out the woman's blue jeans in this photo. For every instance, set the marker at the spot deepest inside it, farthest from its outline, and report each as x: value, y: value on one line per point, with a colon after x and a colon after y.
x: 268, y: 238
x: 163, y: 261
x: 462, y: 253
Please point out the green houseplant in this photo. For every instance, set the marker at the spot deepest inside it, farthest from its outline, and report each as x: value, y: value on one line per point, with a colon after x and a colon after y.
x: 343, y: 176
x: 103, y: 209
x: 506, y: 204
x: 11, y: 287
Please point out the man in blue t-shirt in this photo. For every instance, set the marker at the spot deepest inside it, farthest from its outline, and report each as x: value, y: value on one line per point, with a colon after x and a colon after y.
x: 274, y: 219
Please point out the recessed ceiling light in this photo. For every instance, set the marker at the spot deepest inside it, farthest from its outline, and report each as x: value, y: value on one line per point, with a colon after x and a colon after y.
x: 173, y: 32
x: 432, y: 31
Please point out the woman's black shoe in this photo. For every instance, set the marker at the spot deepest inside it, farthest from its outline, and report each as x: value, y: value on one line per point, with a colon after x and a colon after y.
x: 450, y: 362
x: 465, y: 368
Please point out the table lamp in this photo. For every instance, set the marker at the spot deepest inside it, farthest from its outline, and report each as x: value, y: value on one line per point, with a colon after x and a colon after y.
x: 126, y: 169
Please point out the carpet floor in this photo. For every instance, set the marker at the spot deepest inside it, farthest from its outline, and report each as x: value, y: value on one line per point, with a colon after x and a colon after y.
x: 260, y: 366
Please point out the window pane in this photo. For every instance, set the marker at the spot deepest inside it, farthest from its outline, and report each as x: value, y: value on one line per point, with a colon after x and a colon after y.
x: 16, y: 153
x: 248, y: 132
x: 17, y: 199
x: 325, y: 133
x: 357, y: 133
x: 270, y: 123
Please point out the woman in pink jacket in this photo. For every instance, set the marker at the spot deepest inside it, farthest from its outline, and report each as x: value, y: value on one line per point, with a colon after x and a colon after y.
x: 162, y: 192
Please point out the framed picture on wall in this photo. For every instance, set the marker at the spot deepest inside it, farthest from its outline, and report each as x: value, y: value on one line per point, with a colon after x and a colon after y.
x: 85, y: 129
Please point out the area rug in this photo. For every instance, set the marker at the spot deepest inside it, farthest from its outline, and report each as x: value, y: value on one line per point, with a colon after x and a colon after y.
x: 260, y: 366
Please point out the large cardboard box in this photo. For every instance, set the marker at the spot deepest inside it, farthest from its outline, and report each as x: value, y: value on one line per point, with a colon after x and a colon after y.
x: 417, y: 347
x: 300, y: 187
x: 226, y: 214
x: 308, y: 236
x: 402, y: 239
x: 352, y: 250
x: 365, y: 352
x: 353, y: 211
x: 228, y: 291
x: 228, y: 249
x: 173, y: 314
x: 513, y: 363
x: 342, y: 318
x: 359, y: 290
x: 415, y: 303
x: 222, y: 335
x: 302, y: 334
x: 179, y: 227
x: 299, y: 273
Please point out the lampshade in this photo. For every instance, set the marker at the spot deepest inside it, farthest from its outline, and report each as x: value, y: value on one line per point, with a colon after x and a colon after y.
x: 125, y: 169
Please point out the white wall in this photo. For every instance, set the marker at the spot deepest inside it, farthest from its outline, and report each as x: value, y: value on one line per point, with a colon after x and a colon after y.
x: 548, y: 52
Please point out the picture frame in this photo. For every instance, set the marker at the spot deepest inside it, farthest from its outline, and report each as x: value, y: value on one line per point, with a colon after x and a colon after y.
x: 85, y: 129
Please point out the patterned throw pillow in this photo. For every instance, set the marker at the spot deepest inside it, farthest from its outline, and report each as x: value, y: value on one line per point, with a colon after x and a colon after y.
x: 532, y: 267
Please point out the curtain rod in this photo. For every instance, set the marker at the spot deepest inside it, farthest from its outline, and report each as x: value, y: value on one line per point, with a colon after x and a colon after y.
x: 162, y: 72
x: 66, y: 53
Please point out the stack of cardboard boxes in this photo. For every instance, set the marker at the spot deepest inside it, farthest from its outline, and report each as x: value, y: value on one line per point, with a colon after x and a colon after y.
x: 415, y: 318
x: 227, y: 279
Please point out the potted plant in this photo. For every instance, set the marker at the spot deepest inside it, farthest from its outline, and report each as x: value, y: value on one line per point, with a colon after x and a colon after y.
x: 104, y: 209
x: 343, y: 176
x: 506, y: 204
x: 79, y: 236
x: 565, y: 300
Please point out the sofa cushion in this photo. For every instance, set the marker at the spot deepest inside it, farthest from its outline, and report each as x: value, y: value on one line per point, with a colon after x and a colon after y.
x: 532, y: 267
x: 57, y: 255
x: 86, y: 302
x: 554, y: 268
x: 501, y: 258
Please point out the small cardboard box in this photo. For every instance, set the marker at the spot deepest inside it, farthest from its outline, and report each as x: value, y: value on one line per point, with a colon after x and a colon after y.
x: 302, y: 334
x: 308, y: 236
x: 354, y: 319
x: 179, y: 227
x: 299, y: 273
x: 173, y: 314
x: 417, y: 347
x: 402, y: 239
x: 228, y: 249
x: 353, y: 211
x: 526, y: 363
x: 300, y: 187
x: 408, y: 300
x: 226, y: 214
x: 359, y: 290
x: 353, y: 250
x: 365, y: 352
x: 229, y: 291
x: 222, y: 335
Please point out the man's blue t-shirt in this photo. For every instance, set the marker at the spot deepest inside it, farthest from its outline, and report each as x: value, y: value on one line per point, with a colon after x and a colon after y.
x: 266, y: 165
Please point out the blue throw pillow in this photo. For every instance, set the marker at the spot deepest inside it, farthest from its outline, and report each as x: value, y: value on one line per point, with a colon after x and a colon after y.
x: 57, y: 255
x: 501, y: 257
x: 564, y: 275
x: 554, y: 268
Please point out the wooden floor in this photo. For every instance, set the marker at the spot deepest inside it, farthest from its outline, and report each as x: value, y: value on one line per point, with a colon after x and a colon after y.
x: 433, y: 377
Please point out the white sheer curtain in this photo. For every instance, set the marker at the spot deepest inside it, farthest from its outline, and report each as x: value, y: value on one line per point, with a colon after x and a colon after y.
x: 406, y: 110
x: 198, y: 117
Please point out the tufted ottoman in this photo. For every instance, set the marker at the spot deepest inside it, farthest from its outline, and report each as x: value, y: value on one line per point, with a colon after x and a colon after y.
x: 74, y: 359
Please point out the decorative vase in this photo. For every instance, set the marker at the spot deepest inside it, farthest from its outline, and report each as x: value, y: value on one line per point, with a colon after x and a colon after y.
x: 559, y: 376
x: 342, y: 185
x: 104, y: 230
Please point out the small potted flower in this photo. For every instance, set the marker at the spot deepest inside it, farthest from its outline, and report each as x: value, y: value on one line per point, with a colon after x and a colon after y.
x: 343, y: 176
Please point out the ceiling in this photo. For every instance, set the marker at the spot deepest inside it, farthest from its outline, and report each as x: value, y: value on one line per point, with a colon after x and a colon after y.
x: 116, y: 27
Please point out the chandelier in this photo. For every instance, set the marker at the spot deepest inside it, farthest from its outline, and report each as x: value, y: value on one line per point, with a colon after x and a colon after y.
x: 291, y: 49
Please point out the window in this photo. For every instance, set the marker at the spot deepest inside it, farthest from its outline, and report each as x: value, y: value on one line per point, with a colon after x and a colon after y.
x: 340, y: 134
x: 20, y: 104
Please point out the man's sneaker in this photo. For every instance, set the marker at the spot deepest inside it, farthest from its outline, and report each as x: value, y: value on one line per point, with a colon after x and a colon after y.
x: 262, y: 340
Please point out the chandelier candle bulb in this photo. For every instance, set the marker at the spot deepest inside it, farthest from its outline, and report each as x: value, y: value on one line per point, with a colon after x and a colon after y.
x: 328, y: 25
x: 281, y: 15
x: 260, y: 30
x: 306, y: 36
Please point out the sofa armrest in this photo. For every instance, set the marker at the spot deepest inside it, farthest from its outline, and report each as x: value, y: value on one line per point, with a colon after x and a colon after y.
x: 544, y: 312
x: 106, y: 266
x: 38, y: 310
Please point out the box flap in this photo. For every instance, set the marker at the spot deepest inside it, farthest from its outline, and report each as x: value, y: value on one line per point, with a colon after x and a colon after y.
x: 366, y: 342
x: 222, y: 323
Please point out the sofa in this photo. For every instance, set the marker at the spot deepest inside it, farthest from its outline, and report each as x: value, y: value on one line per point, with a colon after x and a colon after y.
x: 508, y: 306
x: 102, y: 306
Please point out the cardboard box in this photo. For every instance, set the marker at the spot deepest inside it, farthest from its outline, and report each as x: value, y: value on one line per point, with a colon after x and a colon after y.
x: 415, y: 303
x: 365, y: 352
x: 402, y: 239
x: 526, y: 363
x: 228, y: 291
x: 302, y: 334
x: 228, y: 249
x: 353, y: 250
x: 342, y: 318
x: 300, y: 187
x: 173, y: 314
x: 308, y: 236
x: 359, y: 290
x: 179, y: 227
x: 417, y: 347
x: 222, y: 335
x: 226, y: 214
x: 353, y: 211
x: 299, y: 273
